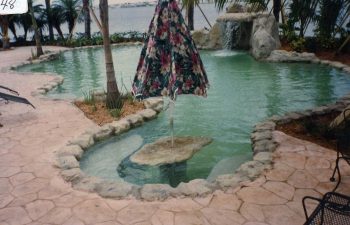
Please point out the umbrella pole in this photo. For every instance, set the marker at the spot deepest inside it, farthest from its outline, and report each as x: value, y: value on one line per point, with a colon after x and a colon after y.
x: 171, y: 112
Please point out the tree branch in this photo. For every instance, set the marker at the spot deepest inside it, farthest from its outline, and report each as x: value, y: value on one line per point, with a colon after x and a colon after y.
x: 95, y: 19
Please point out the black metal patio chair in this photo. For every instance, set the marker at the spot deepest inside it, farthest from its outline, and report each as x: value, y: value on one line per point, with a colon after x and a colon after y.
x: 332, y: 209
x: 343, y: 147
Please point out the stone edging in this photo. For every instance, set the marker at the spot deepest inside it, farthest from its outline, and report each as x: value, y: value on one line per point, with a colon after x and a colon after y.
x: 262, y: 143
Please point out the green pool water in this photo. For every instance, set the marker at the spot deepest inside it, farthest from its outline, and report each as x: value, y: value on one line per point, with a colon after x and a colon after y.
x: 242, y: 93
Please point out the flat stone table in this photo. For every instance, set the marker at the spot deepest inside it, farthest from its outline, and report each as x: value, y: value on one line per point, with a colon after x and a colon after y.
x: 161, y: 152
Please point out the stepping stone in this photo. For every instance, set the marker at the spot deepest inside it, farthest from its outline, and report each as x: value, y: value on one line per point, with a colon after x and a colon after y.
x: 161, y: 152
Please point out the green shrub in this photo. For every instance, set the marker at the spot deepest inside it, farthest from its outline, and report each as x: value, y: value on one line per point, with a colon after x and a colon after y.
x: 327, y: 43
x: 288, y: 32
x: 310, y: 44
x: 298, y: 45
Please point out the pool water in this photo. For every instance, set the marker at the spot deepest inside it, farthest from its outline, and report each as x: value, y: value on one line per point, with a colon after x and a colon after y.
x: 243, y: 92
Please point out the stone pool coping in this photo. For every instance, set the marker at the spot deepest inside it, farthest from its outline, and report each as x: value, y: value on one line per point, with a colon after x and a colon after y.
x: 262, y: 143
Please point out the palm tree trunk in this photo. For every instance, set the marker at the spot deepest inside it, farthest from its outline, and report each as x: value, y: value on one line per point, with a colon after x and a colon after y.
x: 39, y: 49
x: 25, y: 34
x: 302, y: 28
x: 113, y: 96
x: 283, y: 15
x: 190, y: 14
x: 59, y: 31
x: 277, y: 9
x: 49, y: 21
x: 87, y: 19
x: 5, y: 31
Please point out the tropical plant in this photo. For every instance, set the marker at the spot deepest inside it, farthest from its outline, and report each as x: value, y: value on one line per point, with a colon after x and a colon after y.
x: 115, y: 112
x: 298, y: 44
x: 89, y: 97
x: 70, y: 10
x: 343, y: 17
x: 113, y: 99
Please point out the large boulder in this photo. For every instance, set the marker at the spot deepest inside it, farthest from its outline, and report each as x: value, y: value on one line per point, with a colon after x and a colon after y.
x: 265, y: 37
x: 286, y: 56
x: 201, y: 38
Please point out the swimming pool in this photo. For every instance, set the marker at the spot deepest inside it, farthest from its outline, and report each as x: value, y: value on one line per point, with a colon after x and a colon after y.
x: 243, y: 91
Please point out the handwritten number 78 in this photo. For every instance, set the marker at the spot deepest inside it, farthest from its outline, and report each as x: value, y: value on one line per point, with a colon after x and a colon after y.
x: 8, y: 3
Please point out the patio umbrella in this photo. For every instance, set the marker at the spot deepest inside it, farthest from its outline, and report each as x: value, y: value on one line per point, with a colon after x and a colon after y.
x: 169, y: 63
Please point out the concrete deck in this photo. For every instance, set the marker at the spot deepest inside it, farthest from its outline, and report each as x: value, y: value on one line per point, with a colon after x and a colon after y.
x: 32, y: 191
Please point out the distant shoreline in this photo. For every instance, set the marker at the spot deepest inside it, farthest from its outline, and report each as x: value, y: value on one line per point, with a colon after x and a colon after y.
x: 138, y: 4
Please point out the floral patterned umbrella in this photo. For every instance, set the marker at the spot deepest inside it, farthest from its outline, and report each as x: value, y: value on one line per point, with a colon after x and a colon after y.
x: 169, y: 63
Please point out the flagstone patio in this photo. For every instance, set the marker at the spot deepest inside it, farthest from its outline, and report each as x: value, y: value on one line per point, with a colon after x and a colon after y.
x: 32, y: 191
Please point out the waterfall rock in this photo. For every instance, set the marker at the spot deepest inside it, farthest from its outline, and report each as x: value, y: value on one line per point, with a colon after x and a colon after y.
x: 255, y: 31
x: 215, y: 37
x: 209, y: 39
x: 262, y: 44
x: 160, y: 152
x: 264, y: 37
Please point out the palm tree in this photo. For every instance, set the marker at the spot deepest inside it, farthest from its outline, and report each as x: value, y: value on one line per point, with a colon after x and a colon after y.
x: 87, y: 18
x: 302, y: 12
x: 189, y: 5
x: 25, y: 21
x: 70, y: 9
x: 327, y: 19
x: 39, y: 49
x: 113, y: 95
x: 49, y: 18
x: 12, y: 25
x: 57, y: 19
x: 277, y: 9
x: 4, y: 23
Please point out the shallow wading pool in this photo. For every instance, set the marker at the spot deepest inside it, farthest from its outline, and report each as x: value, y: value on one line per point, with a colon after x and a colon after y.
x: 242, y: 93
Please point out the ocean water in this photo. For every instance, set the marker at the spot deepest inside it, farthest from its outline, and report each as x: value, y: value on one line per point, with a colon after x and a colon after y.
x: 137, y: 19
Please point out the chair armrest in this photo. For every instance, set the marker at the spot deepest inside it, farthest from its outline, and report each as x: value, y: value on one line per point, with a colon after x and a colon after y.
x: 304, y: 205
x: 344, y: 114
